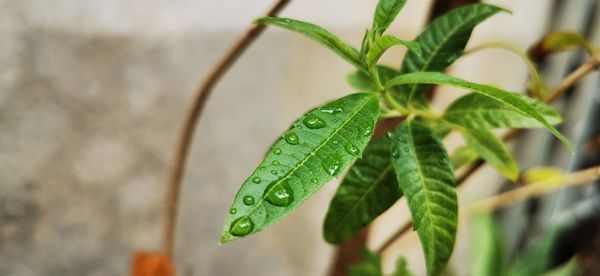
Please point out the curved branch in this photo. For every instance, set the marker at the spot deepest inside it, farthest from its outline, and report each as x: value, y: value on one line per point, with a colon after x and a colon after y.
x: 191, y: 120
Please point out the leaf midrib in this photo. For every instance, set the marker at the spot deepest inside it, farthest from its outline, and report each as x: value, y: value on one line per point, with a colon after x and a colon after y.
x: 312, y: 153
x: 422, y: 180
x: 371, y: 187
x: 430, y: 59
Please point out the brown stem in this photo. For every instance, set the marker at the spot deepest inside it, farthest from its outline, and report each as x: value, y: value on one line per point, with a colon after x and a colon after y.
x: 192, y: 118
x: 556, y: 93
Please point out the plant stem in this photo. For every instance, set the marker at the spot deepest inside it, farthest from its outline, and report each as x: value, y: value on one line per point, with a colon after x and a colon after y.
x: 556, y: 93
x: 189, y: 126
x: 534, y: 190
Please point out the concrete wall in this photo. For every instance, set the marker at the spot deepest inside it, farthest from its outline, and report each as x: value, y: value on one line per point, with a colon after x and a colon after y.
x: 92, y: 95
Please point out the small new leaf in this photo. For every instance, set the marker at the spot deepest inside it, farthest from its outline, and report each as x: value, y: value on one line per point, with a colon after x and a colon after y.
x: 463, y: 156
x: 385, y: 13
x: 442, y: 43
x: 426, y: 178
x: 385, y: 42
x: 368, y: 190
x: 492, y: 150
x: 509, y: 98
x: 316, y: 149
x: 318, y: 34
x: 479, y: 111
x: 362, y: 81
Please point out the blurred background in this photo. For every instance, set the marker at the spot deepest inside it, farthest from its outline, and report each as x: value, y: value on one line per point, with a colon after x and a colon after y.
x: 93, y: 94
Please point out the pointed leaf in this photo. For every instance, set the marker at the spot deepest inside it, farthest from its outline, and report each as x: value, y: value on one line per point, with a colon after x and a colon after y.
x: 511, y: 99
x: 427, y: 180
x: 562, y: 41
x: 368, y: 190
x: 442, y: 42
x: 319, y: 34
x: 316, y: 149
x: 383, y: 43
x: 479, y: 111
x: 492, y: 150
x: 385, y: 13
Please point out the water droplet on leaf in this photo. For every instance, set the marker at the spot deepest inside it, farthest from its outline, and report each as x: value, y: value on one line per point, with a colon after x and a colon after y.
x: 241, y: 226
x: 332, y: 108
x: 367, y: 132
x: 332, y: 166
x: 277, y: 151
x: 279, y: 194
x: 335, y: 142
x: 351, y: 149
x: 274, y: 172
x: 292, y: 138
x: 313, y: 122
x: 275, y: 163
x: 232, y: 211
x: 314, y: 180
x: 248, y: 200
x: 256, y: 179
x: 395, y: 154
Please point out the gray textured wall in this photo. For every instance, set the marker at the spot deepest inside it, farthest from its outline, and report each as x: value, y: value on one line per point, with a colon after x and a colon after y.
x: 92, y: 95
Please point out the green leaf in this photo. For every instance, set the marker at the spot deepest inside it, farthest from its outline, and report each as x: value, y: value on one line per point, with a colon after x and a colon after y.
x: 368, y: 190
x: 370, y: 266
x: 463, y: 156
x: 487, y: 255
x: 383, y: 43
x: 317, y: 148
x: 492, y: 150
x: 442, y: 42
x: 479, y: 111
x: 511, y: 99
x: 362, y: 81
x: 319, y: 34
x: 427, y: 180
x: 402, y: 268
x: 385, y: 13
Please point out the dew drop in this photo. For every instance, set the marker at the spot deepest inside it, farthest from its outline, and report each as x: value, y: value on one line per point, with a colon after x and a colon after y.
x: 332, y: 166
x: 292, y: 138
x: 351, y: 149
x: 335, y: 142
x: 275, y: 163
x: 277, y: 151
x: 313, y: 122
x: 367, y: 132
x: 314, y: 180
x: 333, y: 108
x: 232, y: 211
x: 248, y: 200
x: 262, y: 168
x: 256, y: 180
x: 279, y: 194
x: 274, y: 172
x: 241, y: 226
x: 395, y: 154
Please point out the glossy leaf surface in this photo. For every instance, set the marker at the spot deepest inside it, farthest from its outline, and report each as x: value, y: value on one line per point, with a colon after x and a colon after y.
x: 442, y: 43
x: 316, y: 149
x: 426, y: 178
x: 368, y: 190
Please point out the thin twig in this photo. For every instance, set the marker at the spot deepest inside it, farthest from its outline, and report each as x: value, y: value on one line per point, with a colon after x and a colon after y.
x: 534, y: 190
x: 192, y: 118
x: 556, y: 93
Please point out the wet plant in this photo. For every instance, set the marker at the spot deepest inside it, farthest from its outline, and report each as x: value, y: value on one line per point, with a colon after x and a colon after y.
x: 410, y: 160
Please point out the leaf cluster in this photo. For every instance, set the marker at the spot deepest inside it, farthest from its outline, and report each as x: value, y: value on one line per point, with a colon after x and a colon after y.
x: 411, y: 159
